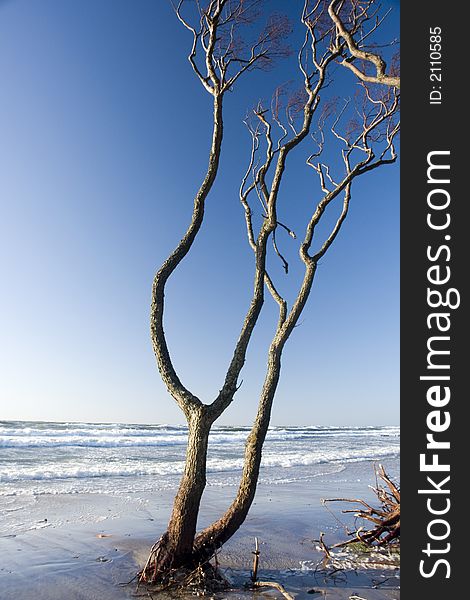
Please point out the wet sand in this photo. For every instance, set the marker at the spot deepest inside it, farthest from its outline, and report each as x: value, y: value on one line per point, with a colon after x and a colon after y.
x: 84, y: 546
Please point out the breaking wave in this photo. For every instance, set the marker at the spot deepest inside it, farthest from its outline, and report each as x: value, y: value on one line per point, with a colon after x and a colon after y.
x: 41, y: 458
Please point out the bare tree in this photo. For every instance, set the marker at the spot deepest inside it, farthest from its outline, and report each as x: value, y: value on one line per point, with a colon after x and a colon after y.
x: 220, y: 54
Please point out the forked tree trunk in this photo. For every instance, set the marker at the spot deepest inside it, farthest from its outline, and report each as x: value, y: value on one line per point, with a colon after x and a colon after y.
x: 179, y: 546
x: 214, y: 536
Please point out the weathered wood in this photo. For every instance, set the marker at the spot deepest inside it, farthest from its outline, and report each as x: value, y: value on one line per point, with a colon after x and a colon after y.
x: 386, y: 519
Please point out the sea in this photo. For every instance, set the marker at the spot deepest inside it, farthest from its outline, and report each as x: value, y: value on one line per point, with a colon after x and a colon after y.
x: 120, y: 458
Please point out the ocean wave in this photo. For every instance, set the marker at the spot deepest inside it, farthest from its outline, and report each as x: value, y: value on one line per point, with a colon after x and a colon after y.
x: 59, y: 471
x: 28, y: 432
x: 39, y: 458
x: 72, y: 486
x: 126, y: 436
x: 91, y: 442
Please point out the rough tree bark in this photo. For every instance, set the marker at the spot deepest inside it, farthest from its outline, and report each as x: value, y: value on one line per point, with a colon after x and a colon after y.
x: 176, y: 548
x: 219, y: 61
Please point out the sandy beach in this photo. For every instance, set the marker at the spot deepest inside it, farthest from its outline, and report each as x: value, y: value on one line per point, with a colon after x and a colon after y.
x: 85, y: 546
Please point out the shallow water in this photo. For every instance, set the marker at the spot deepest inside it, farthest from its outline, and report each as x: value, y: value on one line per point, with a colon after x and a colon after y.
x: 83, y: 546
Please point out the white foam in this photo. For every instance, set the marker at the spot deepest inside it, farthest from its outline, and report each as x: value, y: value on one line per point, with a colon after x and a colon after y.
x: 66, y: 458
x: 125, y: 436
x: 85, y: 470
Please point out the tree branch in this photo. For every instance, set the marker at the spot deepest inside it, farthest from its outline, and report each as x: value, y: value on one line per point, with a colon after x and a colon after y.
x: 192, y: 54
x: 356, y: 53
x: 185, y: 399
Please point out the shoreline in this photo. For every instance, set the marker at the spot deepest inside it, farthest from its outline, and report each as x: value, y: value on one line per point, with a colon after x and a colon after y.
x: 83, y: 546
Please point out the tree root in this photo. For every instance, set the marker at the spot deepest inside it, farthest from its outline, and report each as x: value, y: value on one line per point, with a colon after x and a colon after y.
x: 150, y: 571
x: 204, y: 579
x: 386, y: 519
x: 200, y: 576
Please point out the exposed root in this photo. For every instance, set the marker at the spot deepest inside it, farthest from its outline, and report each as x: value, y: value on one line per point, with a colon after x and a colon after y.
x: 386, y: 519
x: 201, y: 577
x: 323, y: 546
x: 204, y: 579
x: 150, y: 571
x: 375, y: 547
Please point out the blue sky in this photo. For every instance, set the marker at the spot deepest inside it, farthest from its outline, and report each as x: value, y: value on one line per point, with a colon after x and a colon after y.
x: 105, y: 133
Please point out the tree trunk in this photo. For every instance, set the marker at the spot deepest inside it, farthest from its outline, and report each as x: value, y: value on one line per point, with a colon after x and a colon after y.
x: 176, y: 545
x: 214, y: 536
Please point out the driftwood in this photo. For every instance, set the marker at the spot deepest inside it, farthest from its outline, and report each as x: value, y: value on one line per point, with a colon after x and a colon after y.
x: 263, y: 584
x: 386, y: 519
x: 254, y: 573
x: 273, y: 584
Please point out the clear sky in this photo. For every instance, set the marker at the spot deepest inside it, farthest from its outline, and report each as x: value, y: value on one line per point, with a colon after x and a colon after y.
x: 104, y: 136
